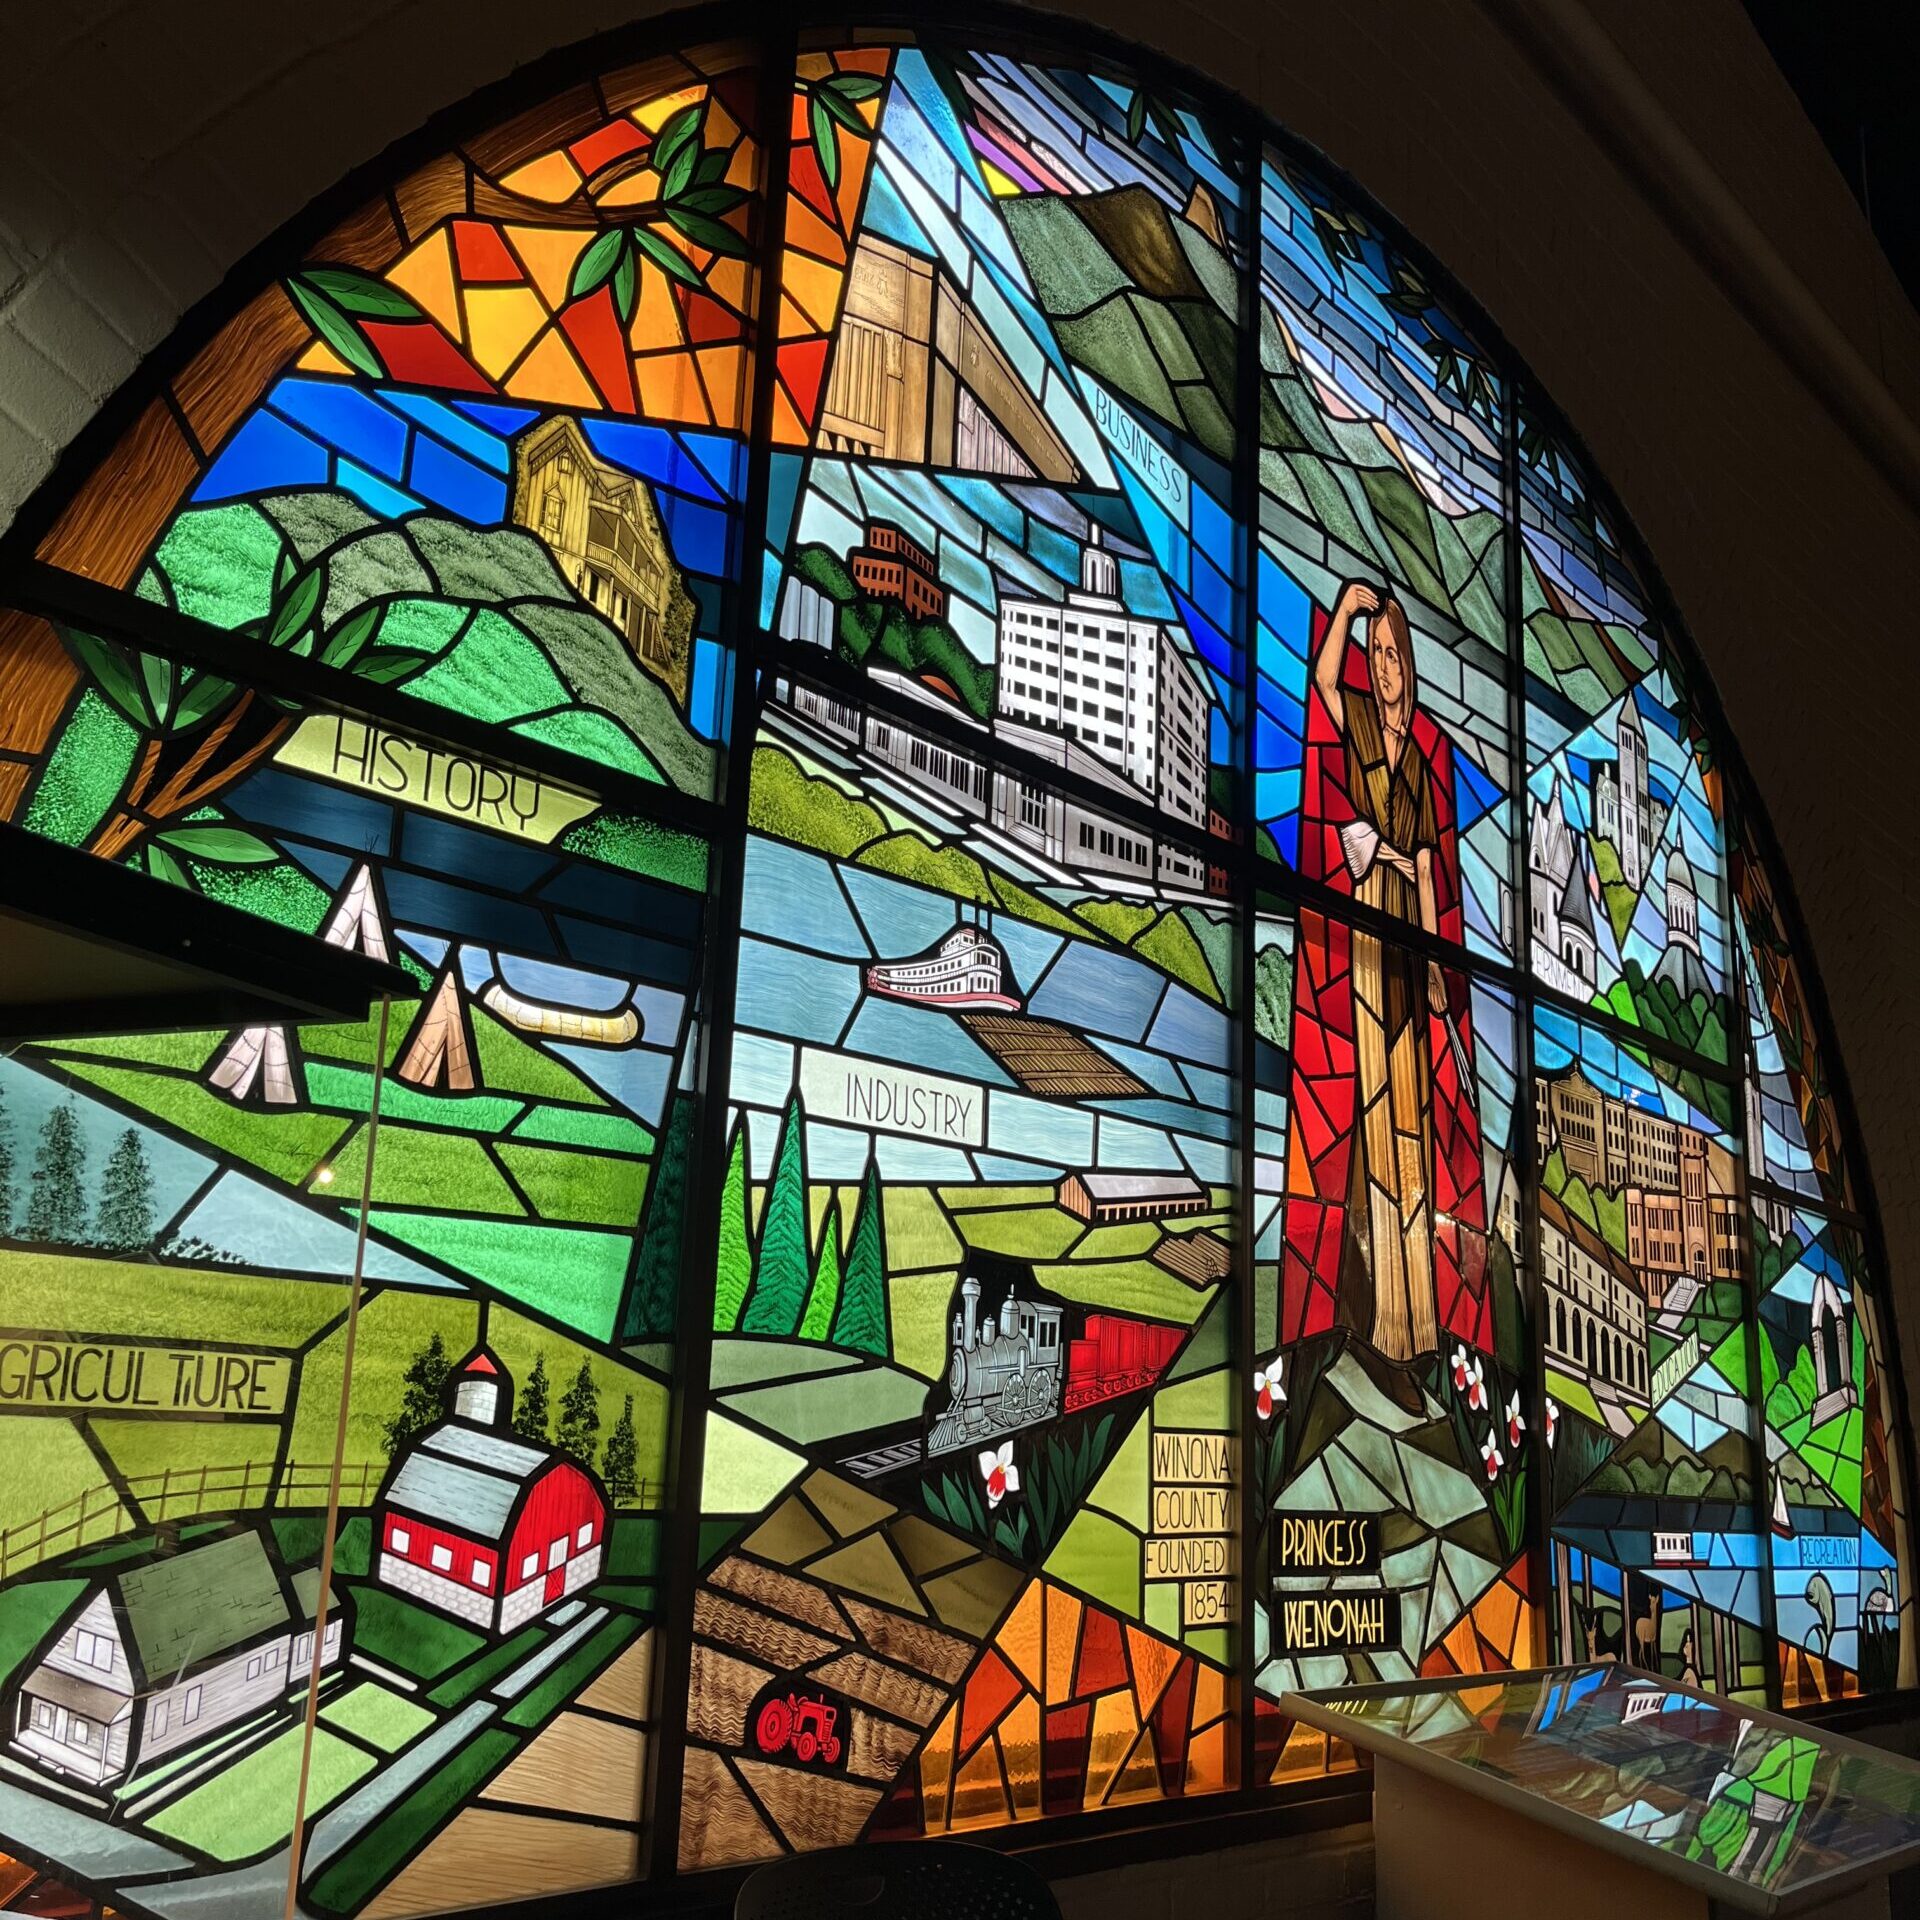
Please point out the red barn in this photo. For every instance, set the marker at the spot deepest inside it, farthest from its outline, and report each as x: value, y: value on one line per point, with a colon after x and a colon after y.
x: 477, y: 1524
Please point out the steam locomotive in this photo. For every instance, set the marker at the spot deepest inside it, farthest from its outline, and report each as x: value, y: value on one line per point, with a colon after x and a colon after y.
x: 1008, y: 1373
x: 1001, y: 1376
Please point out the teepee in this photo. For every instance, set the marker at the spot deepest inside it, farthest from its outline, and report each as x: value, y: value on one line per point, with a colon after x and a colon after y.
x: 439, y: 1053
x: 258, y: 1064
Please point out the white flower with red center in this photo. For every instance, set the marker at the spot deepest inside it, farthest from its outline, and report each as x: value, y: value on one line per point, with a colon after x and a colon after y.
x: 1491, y: 1454
x: 1552, y: 1417
x: 1000, y: 1474
x: 1476, y: 1388
x: 1462, y: 1369
x: 1269, y: 1387
x: 1516, y: 1425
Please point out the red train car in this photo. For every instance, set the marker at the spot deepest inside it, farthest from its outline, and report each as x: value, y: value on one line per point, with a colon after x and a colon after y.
x: 1117, y: 1355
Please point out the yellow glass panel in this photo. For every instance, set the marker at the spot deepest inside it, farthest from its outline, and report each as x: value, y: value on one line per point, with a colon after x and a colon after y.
x: 655, y: 113
x: 1153, y: 1664
x: 1208, y: 1769
x: 1308, y: 1754
x: 1063, y: 1640
x: 979, y: 1800
x: 1139, y: 1778
x: 656, y: 316
x: 724, y: 371
x: 636, y: 190
x: 321, y: 358
x: 788, y: 431
x: 500, y: 322
x: 1019, y: 1638
x: 936, y: 1769
x: 1114, y: 1728
x: 727, y: 281
x: 1209, y: 1695
x: 552, y: 178
x: 427, y: 273
x: 814, y: 288
x: 551, y: 373
x: 548, y: 254
x: 670, y: 389
x: 1020, y: 1748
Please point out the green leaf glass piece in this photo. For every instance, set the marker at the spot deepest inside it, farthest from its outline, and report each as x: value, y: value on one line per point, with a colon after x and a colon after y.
x: 113, y: 673
x: 826, y: 143
x: 596, y: 266
x: 293, y: 613
x: 231, y: 846
x: 705, y: 231
x: 335, y: 328
x: 667, y: 257
x: 678, y: 143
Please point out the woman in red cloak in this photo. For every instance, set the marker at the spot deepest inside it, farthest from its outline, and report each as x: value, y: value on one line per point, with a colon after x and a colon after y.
x: 1386, y: 1213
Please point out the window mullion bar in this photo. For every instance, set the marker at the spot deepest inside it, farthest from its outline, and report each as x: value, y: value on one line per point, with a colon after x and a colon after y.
x: 1246, y: 513
x: 1521, y: 1148
x: 693, y: 1349
x: 35, y: 586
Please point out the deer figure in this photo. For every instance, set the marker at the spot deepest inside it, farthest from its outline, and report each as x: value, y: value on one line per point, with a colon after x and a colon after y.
x: 1646, y: 1635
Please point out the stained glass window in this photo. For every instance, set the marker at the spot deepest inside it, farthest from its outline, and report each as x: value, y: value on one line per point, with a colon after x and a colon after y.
x: 1100, y: 1024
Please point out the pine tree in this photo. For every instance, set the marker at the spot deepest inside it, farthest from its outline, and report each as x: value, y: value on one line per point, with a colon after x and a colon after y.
x: 733, y: 1257
x: 530, y: 1405
x: 860, y: 1320
x: 125, y: 1217
x: 817, y: 1322
x: 580, y: 1418
x: 6, y: 1168
x: 622, y: 1455
x: 57, y: 1204
x: 422, y: 1401
x: 654, y: 1301
x: 782, y: 1271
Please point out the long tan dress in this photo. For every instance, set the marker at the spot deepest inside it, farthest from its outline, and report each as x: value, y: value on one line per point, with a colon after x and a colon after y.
x: 1390, y: 1180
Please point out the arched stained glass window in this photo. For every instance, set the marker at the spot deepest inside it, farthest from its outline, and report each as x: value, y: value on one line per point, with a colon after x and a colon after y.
x: 1102, y: 1024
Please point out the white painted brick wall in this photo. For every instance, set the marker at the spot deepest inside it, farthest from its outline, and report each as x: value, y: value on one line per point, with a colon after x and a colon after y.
x: 436, y: 1590
x: 145, y: 146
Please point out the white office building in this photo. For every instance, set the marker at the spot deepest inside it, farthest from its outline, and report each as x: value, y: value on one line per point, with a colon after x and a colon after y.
x: 1117, y: 684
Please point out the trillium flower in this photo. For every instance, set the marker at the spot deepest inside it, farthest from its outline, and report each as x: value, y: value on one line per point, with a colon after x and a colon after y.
x: 1477, y: 1388
x: 1491, y: 1454
x: 1269, y: 1387
x: 1553, y: 1420
x: 1462, y: 1369
x: 1000, y: 1474
x: 1516, y: 1426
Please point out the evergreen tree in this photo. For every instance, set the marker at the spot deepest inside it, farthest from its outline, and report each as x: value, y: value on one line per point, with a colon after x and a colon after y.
x: 580, y: 1418
x: 622, y: 1455
x: 817, y: 1322
x: 6, y: 1167
x: 654, y: 1301
x: 125, y: 1217
x: 530, y: 1405
x: 57, y: 1204
x: 860, y: 1320
x: 733, y: 1257
x: 422, y: 1401
x: 783, y: 1272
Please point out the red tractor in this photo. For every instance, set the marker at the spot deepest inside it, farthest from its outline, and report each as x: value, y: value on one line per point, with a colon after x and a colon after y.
x: 805, y: 1725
